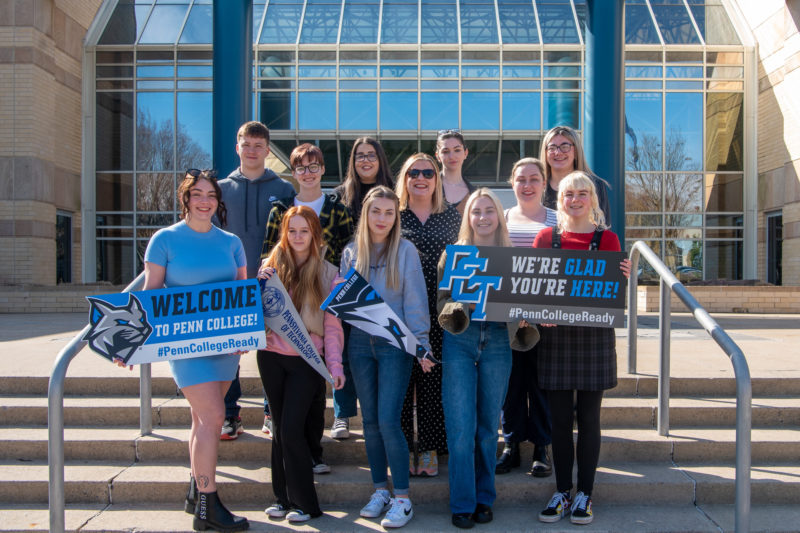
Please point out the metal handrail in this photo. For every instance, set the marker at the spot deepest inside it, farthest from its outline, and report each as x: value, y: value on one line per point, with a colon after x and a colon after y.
x: 744, y: 392
x: 55, y: 416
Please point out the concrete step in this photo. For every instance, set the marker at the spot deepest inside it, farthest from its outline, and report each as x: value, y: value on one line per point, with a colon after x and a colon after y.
x: 169, y: 411
x: 643, y: 385
x: 250, y: 483
x: 428, y: 518
x: 683, y: 445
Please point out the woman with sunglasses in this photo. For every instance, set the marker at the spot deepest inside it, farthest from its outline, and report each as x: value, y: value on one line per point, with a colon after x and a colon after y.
x: 451, y: 151
x: 430, y: 223
x: 308, y: 166
x: 193, y: 252
x: 562, y: 153
x: 367, y: 168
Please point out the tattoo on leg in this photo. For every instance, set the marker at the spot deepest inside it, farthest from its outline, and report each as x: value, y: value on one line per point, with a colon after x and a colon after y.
x: 202, y: 481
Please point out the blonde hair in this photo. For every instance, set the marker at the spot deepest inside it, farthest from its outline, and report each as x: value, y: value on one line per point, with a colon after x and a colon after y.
x: 402, y: 190
x: 304, y: 282
x: 575, y: 181
x: 364, y: 245
x: 466, y: 235
x: 579, y: 163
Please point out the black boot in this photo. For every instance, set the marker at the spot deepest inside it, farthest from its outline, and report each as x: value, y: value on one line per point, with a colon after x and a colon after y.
x: 541, y: 465
x: 191, y: 496
x: 509, y: 458
x: 210, y: 513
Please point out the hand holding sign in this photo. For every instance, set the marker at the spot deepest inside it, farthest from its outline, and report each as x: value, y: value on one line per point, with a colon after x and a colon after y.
x: 540, y: 286
x: 358, y: 304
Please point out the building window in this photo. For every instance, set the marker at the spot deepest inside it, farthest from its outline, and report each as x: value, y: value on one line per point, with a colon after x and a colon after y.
x: 775, y: 248
x: 63, y: 247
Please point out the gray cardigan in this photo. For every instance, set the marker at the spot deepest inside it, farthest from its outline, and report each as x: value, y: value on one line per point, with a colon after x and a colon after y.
x: 454, y: 317
x: 410, y: 299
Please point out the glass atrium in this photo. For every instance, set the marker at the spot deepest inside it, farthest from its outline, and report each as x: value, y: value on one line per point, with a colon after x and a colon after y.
x: 502, y: 71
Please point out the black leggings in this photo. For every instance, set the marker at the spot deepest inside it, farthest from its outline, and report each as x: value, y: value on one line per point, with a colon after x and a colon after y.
x: 562, y: 409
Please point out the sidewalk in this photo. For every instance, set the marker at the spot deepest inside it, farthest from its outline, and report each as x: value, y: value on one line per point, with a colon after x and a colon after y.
x: 29, y: 344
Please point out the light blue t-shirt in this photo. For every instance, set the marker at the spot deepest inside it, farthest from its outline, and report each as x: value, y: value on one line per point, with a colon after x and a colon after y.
x: 192, y: 258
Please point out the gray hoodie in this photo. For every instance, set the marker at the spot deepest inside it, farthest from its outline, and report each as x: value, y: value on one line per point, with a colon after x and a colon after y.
x: 248, y: 203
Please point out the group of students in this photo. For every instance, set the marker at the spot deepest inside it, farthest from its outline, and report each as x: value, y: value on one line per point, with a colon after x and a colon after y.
x: 395, y: 237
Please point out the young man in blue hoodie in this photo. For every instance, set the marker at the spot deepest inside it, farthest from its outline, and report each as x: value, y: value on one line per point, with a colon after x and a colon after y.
x: 248, y: 193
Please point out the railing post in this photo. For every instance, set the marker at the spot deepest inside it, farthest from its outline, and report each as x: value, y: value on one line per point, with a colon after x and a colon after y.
x: 664, y: 324
x: 145, y: 400
x: 55, y: 430
x: 55, y: 419
x: 633, y: 309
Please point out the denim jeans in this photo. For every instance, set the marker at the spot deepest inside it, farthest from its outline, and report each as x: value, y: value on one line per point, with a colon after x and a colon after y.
x: 344, y: 399
x: 381, y: 373
x: 475, y: 368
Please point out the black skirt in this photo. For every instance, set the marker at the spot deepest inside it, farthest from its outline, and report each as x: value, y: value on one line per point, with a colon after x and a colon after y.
x: 577, y: 358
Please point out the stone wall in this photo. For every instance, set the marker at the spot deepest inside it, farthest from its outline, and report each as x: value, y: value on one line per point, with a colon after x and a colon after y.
x: 59, y: 299
x: 41, y: 50
x: 728, y: 299
x: 775, y: 24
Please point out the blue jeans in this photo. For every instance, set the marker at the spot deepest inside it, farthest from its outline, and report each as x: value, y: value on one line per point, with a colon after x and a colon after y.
x: 381, y: 373
x: 475, y: 368
x: 344, y: 399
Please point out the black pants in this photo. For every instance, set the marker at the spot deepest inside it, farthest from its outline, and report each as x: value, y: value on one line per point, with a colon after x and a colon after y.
x: 525, y: 415
x: 562, y: 410
x: 291, y: 385
x: 315, y: 421
x: 232, y: 397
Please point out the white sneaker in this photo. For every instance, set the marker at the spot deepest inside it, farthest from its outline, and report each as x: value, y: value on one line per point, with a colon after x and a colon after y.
x: 297, y: 515
x: 276, y: 511
x: 340, y: 428
x: 399, y: 514
x: 378, y: 504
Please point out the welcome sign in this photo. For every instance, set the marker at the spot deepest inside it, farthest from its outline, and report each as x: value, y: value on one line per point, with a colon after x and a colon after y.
x: 177, y: 323
x: 539, y: 285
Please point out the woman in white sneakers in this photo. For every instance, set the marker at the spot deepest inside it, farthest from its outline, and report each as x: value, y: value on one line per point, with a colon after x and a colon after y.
x: 291, y: 383
x: 380, y: 371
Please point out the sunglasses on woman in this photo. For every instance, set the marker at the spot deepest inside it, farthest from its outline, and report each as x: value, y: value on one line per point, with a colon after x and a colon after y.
x: 427, y: 173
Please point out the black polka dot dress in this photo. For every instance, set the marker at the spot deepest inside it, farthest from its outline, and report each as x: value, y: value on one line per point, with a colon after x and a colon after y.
x: 430, y: 238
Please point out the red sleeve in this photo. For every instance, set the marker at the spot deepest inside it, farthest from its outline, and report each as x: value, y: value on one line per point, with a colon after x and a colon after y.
x: 609, y: 242
x: 544, y: 239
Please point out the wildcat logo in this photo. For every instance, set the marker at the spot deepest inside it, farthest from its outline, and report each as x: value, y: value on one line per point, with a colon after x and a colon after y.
x: 461, y: 277
x: 117, y: 331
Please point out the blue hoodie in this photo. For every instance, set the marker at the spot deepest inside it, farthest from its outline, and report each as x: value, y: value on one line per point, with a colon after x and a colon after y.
x: 249, y: 203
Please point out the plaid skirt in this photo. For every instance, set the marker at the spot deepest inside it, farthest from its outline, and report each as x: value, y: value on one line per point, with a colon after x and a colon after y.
x: 577, y: 357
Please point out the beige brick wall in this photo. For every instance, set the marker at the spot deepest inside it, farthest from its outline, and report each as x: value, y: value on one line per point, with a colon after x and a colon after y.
x: 775, y: 28
x: 722, y: 299
x: 40, y: 133
x: 61, y: 299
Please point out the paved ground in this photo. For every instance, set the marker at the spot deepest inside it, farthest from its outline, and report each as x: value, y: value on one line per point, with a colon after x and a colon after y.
x: 771, y: 344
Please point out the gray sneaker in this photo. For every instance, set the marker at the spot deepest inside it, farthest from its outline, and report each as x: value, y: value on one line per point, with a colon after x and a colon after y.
x: 340, y: 428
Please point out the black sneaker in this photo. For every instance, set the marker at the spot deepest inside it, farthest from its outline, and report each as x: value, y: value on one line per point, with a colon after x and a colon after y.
x: 232, y: 428
x: 508, y: 459
x: 541, y: 465
x: 557, y: 508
